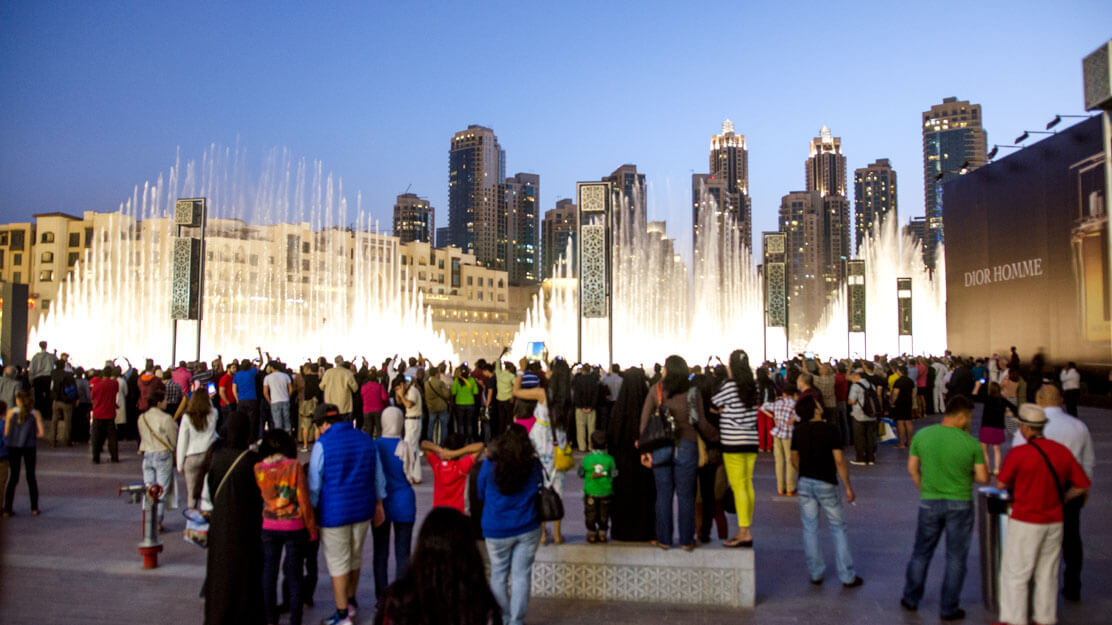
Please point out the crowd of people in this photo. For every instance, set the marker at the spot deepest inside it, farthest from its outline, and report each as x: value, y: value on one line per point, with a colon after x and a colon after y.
x: 498, y: 433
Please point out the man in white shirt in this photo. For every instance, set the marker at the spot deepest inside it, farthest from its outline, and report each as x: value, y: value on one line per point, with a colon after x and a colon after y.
x: 277, y: 386
x: 408, y: 398
x: 1071, y: 387
x: 1074, y: 434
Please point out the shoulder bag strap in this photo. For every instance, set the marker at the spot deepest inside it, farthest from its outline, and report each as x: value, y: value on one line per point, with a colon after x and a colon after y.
x: 154, y: 435
x: 227, y: 473
x: 1057, y: 482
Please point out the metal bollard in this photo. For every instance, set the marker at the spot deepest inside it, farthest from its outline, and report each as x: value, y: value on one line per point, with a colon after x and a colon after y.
x: 992, y: 518
x: 150, y: 546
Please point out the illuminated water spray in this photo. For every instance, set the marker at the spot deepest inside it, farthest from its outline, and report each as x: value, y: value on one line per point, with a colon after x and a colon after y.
x: 286, y: 270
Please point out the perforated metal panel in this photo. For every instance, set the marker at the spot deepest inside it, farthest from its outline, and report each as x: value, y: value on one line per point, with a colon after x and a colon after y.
x: 592, y: 269
x: 189, y: 211
x: 903, y: 294
x: 776, y: 294
x: 1096, y: 70
x: 185, y: 287
x: 855, y: 288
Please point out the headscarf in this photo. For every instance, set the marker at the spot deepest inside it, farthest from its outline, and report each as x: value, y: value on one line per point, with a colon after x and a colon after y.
x: 238, y: 431
x: 393, y: 426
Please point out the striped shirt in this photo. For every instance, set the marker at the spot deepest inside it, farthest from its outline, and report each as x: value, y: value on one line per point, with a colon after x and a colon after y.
x: 738, y: 423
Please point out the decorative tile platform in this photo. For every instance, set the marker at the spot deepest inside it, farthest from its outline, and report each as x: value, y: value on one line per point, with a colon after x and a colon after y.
x: 641, y: 573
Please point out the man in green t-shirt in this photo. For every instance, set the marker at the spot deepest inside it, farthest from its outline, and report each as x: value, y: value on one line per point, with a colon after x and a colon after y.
x: 944, y: 462
x: 598, y: 472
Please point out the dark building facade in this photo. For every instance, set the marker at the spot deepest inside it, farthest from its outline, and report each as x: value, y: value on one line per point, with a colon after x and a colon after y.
x: 953, y: 139
x: 1027, y: 252
x: 874, y: 194
x: 557, y: 229
x: 414, y: 219
x: 476, y: 171
x: 518, y: 232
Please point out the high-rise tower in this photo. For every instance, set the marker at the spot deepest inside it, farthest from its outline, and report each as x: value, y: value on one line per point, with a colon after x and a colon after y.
x: 518, y: 220
x: 557, y: 229
x: 476, y: 171
x: 729, y: 162
x: 826, y: 166
x: 414, y: 219
x: 874, y: 192
x: 953, y: 139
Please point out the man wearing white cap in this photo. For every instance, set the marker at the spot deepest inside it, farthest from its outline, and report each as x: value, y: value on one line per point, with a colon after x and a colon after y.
x: 1042, y: 476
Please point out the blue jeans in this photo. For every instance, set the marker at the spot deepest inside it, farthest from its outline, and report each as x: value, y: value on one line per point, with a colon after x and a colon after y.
x: 813, y: 494
x: 440, y: 417
x: 295, y: 543
x: 403, y: 540
x: 158, y: 466
x: 511, y: 559
x: 674, y: 472
x: 936, y: 516
x: 280, y: 413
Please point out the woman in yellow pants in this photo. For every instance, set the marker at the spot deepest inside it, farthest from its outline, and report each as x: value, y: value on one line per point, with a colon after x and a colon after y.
x: 736, y: 402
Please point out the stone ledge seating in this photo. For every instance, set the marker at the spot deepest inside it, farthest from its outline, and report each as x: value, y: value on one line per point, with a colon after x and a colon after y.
x: 710, y: 575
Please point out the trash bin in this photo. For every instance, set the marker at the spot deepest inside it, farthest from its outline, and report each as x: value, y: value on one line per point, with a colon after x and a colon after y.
x: 993, y: 505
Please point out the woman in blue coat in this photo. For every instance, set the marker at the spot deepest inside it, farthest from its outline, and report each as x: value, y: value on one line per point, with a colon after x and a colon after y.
x: 401, y: 467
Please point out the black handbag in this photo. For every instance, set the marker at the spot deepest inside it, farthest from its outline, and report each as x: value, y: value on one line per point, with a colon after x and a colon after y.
x: 549, y: 505
x: 660, y: 431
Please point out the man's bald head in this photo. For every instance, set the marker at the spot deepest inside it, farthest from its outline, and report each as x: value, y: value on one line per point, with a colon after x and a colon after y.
x: 1048, y: 396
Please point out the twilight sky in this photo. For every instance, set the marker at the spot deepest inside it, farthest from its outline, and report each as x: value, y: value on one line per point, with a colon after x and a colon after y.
x: 97, y: 97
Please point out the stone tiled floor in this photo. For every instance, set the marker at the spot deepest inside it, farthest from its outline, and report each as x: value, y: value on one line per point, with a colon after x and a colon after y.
x: 77, y: 563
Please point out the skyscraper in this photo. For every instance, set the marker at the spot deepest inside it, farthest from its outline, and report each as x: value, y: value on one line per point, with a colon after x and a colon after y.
x: 476, y: 171
x: 826, y: 166
x: 953, y: 139
x: 874, y: 193
x: 729, y: 161
x: 826, y: 173
x: 557, y: 229
x: 518, y: 219
x: 629, y: 206
x: 800, y: 216
x: 414, y: 219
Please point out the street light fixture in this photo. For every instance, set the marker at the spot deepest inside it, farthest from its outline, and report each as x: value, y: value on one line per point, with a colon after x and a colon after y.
x: 1058, y: 119
x: 1027, y: 133
x: 996, y: 148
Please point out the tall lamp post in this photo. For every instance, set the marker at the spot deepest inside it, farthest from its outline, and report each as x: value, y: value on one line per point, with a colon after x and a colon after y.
x: 187, y: 282
x: 593, y: 247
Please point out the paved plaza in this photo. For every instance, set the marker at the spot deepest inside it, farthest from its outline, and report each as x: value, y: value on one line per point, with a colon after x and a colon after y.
x: 77, y: 562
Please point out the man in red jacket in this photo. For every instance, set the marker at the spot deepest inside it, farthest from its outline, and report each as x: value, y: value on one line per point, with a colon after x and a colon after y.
x: 1042, y: 475
x: 103, y: 389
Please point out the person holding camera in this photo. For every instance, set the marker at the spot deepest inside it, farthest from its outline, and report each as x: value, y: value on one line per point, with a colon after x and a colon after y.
x: 464, y: 390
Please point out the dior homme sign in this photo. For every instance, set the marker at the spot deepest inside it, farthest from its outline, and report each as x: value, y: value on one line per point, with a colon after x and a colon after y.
x: 1030, y: 268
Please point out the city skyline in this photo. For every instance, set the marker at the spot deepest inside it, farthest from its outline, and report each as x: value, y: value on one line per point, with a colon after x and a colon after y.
x: 93, y: 112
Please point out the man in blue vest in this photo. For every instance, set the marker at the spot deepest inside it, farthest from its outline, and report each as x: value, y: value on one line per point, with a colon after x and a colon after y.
x: 346, y: 486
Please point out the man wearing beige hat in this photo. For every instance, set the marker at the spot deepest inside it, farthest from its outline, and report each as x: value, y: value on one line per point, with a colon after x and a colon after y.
x: 1042, y: 476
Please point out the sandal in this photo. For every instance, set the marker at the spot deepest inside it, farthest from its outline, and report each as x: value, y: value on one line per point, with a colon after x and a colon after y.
x: 656, y: 544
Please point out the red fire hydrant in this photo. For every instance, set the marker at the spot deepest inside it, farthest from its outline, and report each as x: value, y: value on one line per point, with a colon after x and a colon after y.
x: 150, y: 546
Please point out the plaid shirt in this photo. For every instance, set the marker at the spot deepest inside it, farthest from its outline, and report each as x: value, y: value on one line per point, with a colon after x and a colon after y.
x: 173, y: 393
x: 783, y: 413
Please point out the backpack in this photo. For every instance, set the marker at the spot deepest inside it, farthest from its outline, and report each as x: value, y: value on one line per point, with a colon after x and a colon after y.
x: 870, y: 403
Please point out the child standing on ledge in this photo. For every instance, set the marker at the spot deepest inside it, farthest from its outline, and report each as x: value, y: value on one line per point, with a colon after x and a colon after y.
x: 598, y: 470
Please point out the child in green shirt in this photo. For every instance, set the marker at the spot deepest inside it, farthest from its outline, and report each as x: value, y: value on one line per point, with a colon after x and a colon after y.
x: 598, y: 472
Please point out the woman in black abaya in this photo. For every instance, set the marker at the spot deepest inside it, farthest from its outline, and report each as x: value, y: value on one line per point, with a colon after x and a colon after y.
x: 233, y: 580
x: 632, y: 511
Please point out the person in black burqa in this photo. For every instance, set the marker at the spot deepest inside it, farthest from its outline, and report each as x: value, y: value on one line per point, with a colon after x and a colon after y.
x: 633, y: 510
x: 233, y: 579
